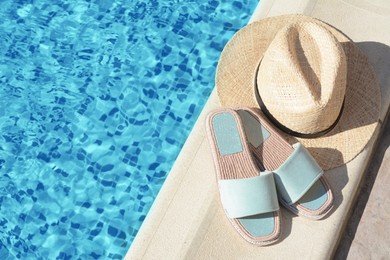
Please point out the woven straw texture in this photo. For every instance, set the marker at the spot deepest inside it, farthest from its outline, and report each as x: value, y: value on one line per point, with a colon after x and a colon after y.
x: 236, y: 74
x: 302, y: 77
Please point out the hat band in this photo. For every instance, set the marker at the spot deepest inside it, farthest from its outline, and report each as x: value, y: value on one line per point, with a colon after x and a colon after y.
x: 284, y: 128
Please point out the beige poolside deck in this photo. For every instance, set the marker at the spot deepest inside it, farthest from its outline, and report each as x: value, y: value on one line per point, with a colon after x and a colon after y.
x: 367, y: 233
x: 186, y: 220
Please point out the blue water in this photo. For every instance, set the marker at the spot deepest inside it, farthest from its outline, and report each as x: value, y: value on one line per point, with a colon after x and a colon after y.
x: 96, y: 101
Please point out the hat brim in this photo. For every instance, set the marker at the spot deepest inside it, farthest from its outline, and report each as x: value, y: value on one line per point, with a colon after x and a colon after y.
x: 235, y: 78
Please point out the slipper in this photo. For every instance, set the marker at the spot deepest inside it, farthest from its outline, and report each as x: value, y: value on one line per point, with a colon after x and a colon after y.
x: 248, y: 196
x: 299, y: 180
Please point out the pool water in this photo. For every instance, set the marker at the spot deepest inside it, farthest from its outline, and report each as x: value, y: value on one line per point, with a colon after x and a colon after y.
x: 96, y: 101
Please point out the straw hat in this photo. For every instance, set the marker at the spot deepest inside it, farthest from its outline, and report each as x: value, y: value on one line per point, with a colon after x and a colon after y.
x: 309, y: 79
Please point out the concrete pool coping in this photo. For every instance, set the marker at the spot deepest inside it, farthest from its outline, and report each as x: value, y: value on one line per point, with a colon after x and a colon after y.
x: 186, y: 220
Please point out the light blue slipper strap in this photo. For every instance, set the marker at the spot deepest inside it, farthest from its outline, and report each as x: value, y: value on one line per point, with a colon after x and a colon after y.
x: 297, y: 174
x: 249, y: 196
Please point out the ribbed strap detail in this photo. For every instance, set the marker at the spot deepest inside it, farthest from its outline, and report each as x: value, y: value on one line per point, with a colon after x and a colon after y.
x: 249, y: 196
x: 297, y: 174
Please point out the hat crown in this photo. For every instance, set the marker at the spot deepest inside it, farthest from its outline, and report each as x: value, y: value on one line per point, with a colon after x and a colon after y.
x: 302, y: 77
